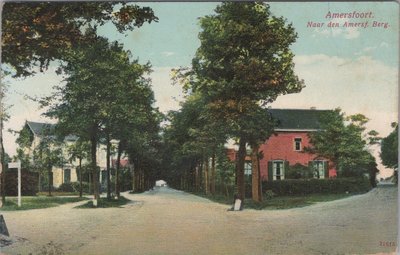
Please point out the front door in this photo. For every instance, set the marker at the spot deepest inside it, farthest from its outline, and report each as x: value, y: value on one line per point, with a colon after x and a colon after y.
x: 278, y: 170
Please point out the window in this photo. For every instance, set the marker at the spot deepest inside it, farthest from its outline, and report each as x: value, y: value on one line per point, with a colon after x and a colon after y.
x: 297, y: 144
x: 67, y: 175
x: 247, y: 168
x: 103, y: 176
x: 278, y: 170
x: 319, y: 169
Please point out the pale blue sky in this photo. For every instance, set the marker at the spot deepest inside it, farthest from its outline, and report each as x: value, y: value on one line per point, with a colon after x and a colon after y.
x: 352, y: 68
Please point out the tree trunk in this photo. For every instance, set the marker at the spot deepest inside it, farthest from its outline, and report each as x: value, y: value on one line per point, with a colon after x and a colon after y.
x: 255, y: 178
x: 117, y: 188
x: 212, y: 181
x: 226, y: 190
x: 80, y: 178
x: 133, y: 166
x: 2, y: 153
x: 93, y: 149
x: 259, y: 178
x: 240, y: 169
x: 2, y: 160
x: 197, y: 179
x: 206, y: 177
x: 137, y: 176
x: 39, y: 181
x: 49, y: 177
x: 108, y: 155
x: 201, y: 176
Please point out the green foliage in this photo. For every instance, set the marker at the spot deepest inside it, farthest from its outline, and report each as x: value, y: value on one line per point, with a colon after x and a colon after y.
x: 242, y: 39
x: 66, y: 187
x: 125, y: 179
x: 225, y: 168
x: 74, y: 187
x: 25, y: 138
x: 389, y: 148
x: 289, y: 202
x: 106, y: 96
x: 106, y: 203
x: 273, y: 202
x: 344, y: 141
x: 28, y: 203
x: 318, y: 186
x: 29, y: 183
x: 244, y: 62
x: 35, y: 33
x: 269, y: 194
x: 299, y: 171
x: 78, y: 150
x: 244, y: 59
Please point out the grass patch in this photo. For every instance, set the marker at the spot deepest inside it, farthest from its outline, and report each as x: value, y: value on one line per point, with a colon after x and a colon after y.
x: 59, y: 193
x: 37, y: 202
x: 288, y: 202
x: 279, y: 203
x: 105, y: 203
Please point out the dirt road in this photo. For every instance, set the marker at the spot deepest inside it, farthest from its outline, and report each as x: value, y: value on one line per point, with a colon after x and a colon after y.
x: 166, y: 221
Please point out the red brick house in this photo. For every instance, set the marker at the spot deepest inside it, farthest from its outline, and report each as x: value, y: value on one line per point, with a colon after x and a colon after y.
x: 286, y: 147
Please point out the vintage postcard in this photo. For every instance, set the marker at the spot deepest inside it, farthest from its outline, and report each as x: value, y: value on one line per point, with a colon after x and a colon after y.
x: 199, y: 127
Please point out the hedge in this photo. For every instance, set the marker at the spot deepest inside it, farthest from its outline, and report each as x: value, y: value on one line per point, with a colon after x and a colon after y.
x: 29, y: 183
x: 317, y: 186
x: 74, y: 187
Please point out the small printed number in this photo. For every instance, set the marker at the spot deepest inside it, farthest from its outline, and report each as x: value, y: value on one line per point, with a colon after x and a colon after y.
x: 387, y: 244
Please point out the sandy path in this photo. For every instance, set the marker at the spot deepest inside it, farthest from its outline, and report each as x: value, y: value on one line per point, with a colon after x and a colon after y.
x: 167, y: 221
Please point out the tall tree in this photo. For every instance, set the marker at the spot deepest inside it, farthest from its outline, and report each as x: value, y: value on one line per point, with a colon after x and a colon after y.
x: 243, y: 63
x: 343, y: 140
x: 390, y: 150
x: 35, y: 33
x: 96, y: 77
x: 79, y: 151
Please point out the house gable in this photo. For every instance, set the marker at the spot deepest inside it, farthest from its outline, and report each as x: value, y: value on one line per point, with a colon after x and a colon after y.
x: 40, y: 129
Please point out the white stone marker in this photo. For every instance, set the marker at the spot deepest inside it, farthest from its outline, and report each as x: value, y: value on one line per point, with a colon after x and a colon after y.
x: 18, y: 166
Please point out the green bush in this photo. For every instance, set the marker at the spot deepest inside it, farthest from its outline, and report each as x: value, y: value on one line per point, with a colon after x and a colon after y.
x: 269, y: 194
x: 29, y: 183
x: 317, y: 186
x: 76, y: 187
x: 66, y: 187
x: 299, y: 171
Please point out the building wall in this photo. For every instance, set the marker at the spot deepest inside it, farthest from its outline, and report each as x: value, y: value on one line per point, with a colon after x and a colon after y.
x: 282, y: 147
x: 58, y: 175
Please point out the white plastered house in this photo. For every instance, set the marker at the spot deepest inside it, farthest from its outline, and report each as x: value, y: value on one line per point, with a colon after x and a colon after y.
x: 67, y: 172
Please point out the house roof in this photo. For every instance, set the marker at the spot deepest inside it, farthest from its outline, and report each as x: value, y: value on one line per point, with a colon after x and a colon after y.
x: 40, y: 128
x: 45, y: 129
x: 297, y: 119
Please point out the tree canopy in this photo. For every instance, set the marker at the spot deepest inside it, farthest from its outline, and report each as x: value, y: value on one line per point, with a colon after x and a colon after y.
x: 244, y: 62
x: 390, y: 148
x: 35, y: 33
x: 343, y: 140
x: 105, y: 96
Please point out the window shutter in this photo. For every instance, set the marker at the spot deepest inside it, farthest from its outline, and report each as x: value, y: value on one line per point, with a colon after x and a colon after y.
x: 311, y: 166
x: 285, y: 168
x: 270, y: 177
x: 326, y: 170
